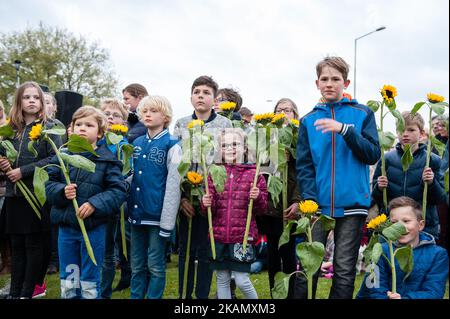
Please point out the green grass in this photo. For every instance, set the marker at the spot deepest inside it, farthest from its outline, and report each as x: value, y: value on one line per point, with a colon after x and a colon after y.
x: 260, y: 282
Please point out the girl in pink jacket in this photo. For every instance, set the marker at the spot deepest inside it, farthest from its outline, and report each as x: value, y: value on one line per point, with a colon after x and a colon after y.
x: 229, y: 210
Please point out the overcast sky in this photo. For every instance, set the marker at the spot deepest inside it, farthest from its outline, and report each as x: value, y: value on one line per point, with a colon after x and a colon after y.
x: 265, y: 49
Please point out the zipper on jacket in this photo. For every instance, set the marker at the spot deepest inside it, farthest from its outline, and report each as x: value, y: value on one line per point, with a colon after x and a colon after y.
x: 229, y: 205
x: 333, y: 149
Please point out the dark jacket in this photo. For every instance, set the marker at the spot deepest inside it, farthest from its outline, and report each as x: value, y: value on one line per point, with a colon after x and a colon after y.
x: 333, y: 168
x: 105, y: 189
x: 26, y: 160
x: 410, y: 183
x: 426, y: 281
x: 135, y: 127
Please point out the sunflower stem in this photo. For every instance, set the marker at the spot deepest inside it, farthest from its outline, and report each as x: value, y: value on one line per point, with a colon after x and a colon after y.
x: 383, y: 163
x: 188, y: 253
x: 250, y: 206
x: 427, y: 164
x: 211, y: 231
x: 392, y: 264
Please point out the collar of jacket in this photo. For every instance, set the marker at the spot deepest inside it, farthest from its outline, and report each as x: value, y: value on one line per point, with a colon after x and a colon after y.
x: 345, y: 101
x: 157, y: 136
x: 211, y: 117
x: 399, y: 148
x: 424, y: 239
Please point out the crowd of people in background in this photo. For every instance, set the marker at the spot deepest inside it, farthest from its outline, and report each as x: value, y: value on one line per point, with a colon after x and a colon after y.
x: 337, y: 164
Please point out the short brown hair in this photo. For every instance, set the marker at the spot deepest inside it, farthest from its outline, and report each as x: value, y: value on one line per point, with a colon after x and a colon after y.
x: 205, y: 80
x: 404, y: 201
x: 232, y: 96
x: 135, y: 90
x: 88, y: 110
x: 286, y: 100
x: 334, y: 62
x: 415, y: 119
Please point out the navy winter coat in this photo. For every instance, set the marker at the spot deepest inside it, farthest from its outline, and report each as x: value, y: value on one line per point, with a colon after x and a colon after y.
x: 105, y: 189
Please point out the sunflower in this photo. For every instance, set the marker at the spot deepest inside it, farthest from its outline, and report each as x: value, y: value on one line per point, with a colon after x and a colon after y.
x: 295, y: 122
x: 194, y: 178
x: 308, y: 207
x: 388, y: 92
x: 195, y: 123
x: 377, y: 221
x: 264, y: 118
x: 35, y: 132
x: 119, y: 129
x: 278, y: 119
x: 434, y: 98
x: 227, y: 106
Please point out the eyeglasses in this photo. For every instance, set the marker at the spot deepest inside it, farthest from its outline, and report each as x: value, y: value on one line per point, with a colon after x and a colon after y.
x: 285, y: 111
x: 114, y: 115
x: 221, y: 99
x: 230, y: 145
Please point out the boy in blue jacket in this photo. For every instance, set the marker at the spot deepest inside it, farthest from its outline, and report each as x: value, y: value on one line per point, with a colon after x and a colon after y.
x: 337, y: 142
x: 429, y: 275
x: 98, y: 194
x: 154, y: 198
x: 411, y: 182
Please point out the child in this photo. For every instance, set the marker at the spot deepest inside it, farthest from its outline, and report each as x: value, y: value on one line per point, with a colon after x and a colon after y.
x: 154, y: 198
x: 29, y: 235
x: 229, y: 95
x: 272, y: 223
x: 98, y: 194
x: 116, y: 114
x: 429, y: 275
x: 229, y: 210
x: 132, y: 95
x: 411, y: 182
x: 337, y: 142
x: 203, y: 91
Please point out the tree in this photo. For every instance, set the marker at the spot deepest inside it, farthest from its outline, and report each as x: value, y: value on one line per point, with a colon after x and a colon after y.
x: 56, y: 58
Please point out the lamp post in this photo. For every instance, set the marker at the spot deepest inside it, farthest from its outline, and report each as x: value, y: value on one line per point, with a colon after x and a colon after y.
x: 354, y: 64
x: 17, y: 66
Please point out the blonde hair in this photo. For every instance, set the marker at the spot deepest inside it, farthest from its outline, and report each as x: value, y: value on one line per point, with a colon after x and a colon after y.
x: 415, y: 119
x: 115, y: 105
x: 88, y: 110
x: 16, y: 113
x: 160, y: 103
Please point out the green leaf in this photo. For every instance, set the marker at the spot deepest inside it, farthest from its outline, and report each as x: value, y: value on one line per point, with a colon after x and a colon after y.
x: 11, y: 152
x: 56, y: 130
x: 327, y: 222
x: 286, y: 234
x: 127, y: 157
x: 251, y: 141
x: 391, y: 105
x: 278, y: 155
x: 78, y: 144
x: 39, y: 178
x: 113, y: 138
x: 377, y: 251
x: 274, y: 186
x: 446, y: 180
x: 302, y: 226
x: 219, y: 176
x: 438, y: 145
x: 407, y: 157
x: 183, y: 168
x: 373, y: 105
x: 395, y: 231
x: 285, y: 136
x: 238, y: 124
x: 31, y: 149
x: 437, y: 108
x: 400, y: 122
x: 417, y: 107
x: 405, y: 258
x: 79, y: 161
x: 368, y: 251
x: 6, y: 131
x: 197, y: 191
x: 386, y: 139
x: 281, y: 285
x: 311, y: 256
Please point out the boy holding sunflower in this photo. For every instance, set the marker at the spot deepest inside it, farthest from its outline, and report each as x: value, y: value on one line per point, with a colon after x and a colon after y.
x: 337, y: 142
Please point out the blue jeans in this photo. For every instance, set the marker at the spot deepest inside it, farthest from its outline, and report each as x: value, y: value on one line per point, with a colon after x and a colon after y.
x: 200, y: 251
x: 148, y: 255
x: 80, y: 278
x: 347, y: 239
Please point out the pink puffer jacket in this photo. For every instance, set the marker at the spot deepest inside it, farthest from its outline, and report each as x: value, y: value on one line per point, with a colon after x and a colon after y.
x: 229, y: 208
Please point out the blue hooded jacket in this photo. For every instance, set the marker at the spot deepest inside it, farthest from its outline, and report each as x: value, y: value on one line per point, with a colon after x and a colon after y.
x: 332, y: 168
x: 426, y: 281
x: 105, y: 189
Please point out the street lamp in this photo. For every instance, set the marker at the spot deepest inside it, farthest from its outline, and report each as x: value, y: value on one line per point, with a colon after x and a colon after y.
x: 17, y: 66
x: 354, y: 64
